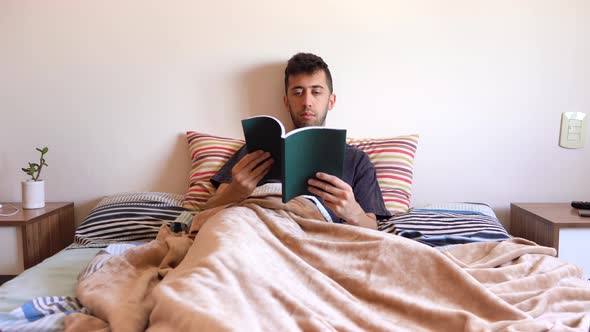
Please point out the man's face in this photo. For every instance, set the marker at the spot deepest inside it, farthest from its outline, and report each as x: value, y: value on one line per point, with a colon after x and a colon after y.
x: 308, y: 99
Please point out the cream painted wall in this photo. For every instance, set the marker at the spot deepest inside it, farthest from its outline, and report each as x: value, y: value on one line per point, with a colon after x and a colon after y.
x: 111, y: 86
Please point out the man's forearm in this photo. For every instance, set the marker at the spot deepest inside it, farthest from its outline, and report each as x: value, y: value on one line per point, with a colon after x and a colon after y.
x: 223, y: 195
x: 367, y: 220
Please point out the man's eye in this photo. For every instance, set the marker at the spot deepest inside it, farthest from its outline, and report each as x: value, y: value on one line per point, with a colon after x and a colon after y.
x: 297, y: 93
x: 316, y: 93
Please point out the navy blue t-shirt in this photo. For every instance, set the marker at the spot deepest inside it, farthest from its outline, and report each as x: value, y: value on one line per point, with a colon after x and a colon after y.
x: 359, y: 173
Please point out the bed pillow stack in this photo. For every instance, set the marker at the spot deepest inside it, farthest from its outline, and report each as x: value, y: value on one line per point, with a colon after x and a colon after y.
x: 393, y: 159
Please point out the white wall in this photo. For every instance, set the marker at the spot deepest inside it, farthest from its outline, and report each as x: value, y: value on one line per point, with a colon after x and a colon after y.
x: 111, y: 86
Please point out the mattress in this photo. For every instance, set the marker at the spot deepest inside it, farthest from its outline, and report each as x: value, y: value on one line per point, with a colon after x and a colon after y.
x: 55, y: 276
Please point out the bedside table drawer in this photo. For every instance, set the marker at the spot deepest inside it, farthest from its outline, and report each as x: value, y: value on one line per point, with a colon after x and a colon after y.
x: 11, y: 251
x: 574, y: 246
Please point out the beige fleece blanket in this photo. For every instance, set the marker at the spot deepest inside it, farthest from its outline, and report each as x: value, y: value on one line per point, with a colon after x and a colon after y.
x: 267, y: 266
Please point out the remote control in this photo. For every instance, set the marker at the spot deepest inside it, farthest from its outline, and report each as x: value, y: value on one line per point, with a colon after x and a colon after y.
x: 585, y: 205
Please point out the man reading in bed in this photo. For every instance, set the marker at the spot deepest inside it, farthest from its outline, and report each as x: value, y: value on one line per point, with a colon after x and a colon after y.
x: 355, y: 200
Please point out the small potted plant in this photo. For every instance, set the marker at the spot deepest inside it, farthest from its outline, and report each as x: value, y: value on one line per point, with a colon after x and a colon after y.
x: 33, y: 189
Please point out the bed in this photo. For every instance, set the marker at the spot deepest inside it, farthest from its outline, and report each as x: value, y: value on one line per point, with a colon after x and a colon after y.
x: 140, y: 261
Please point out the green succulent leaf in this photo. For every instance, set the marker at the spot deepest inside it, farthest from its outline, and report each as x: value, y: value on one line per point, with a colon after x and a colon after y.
x: 34, y: 169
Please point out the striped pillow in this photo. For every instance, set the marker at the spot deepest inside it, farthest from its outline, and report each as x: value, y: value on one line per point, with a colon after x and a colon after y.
x: 393, y: 159
x: 439, y: 228
x: 208, y: 154
x: 127, y: 217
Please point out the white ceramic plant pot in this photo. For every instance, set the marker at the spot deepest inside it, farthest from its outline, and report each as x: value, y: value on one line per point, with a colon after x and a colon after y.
x: 33, y: 194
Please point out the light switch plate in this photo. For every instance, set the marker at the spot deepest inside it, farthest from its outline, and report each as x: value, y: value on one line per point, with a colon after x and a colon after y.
x: 573, y: 130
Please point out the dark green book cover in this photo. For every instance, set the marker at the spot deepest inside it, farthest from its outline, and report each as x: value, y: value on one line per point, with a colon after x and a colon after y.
x: 297, y: 155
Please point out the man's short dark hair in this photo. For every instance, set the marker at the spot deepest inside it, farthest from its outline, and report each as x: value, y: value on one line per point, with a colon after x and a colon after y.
x: 309, y: 64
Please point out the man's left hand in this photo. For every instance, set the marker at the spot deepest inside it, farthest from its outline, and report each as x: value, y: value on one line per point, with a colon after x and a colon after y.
x: 339, y: 197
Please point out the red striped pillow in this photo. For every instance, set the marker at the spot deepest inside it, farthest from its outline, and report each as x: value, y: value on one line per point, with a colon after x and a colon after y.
x: 393, y: 159
x: 208, y: 154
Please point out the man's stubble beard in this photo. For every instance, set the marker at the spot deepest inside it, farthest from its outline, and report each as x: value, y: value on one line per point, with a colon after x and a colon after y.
x: 320, y: 121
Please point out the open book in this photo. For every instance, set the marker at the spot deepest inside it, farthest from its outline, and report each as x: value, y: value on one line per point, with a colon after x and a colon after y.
x: 297, y: 155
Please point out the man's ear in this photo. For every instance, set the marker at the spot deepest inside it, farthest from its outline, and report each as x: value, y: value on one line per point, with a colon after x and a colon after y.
x: 286, y: 103
x: 332, y: 101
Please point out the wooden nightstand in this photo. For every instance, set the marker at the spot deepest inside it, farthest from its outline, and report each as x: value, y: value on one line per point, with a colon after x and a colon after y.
x: 30, y: 236
x: 556, y: 225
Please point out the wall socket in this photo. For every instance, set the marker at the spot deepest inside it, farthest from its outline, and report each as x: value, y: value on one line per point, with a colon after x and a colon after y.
x: 573, y: 130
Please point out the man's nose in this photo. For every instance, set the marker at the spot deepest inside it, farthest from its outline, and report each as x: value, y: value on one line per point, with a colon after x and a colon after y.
x: 307, y: 99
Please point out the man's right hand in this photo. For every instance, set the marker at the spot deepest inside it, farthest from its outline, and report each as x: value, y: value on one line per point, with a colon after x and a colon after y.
x: 246, y: 174
x: 249, y: 171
